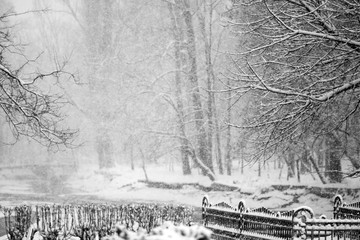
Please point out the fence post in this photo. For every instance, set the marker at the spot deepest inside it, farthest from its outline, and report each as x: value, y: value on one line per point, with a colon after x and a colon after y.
x: 338, y: 202
x: 205, y: 204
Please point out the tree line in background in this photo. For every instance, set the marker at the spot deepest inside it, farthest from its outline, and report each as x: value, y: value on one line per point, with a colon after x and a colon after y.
x: 206, y: 82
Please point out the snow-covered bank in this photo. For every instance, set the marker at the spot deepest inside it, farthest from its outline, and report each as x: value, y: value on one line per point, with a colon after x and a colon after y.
x: 124, y: 184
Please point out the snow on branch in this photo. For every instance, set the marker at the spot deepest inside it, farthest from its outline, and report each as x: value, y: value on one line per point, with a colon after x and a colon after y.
x: 328, y: 36
x: 321, y: 98
x: 8, y: 73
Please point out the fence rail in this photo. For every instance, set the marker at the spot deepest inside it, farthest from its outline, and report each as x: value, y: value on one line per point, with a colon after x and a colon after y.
x: 228, y: 223
x: 343, y: 210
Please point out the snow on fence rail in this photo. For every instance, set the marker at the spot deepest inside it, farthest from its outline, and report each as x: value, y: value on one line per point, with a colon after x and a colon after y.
x: 88, y: 220
x: 228, y: 223
x: 343, y: 210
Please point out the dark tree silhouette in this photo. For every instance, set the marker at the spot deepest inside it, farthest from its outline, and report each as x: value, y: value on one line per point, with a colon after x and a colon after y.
x: 26, y: 109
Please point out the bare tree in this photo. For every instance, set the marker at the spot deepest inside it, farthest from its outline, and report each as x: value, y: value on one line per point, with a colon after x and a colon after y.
x: 228, y: 157
x: 27, y: 109
x: 301, y: 58
x: 178, y: 36
x: 194, y: 83
x: 205, y: 16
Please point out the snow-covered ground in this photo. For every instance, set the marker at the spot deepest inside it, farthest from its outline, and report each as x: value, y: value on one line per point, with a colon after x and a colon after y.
x: 122, y: 184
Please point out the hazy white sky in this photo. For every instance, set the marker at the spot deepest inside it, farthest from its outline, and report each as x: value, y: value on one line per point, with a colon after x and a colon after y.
x: 22, y: 5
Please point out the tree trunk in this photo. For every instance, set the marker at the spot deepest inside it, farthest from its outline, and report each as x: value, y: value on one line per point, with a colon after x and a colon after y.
x: 98, y: 34
x: 218, y: 141
x: 177, y: 34
x: 355, y: 162
x: 333, y: 166
x: 259, y: 168
x: 312, y: 160
x: 242, y: 164
x: 195, y: 94
x: 228, y: 134
x: 212, y: 111
x: 143, y: 163
x: 351, y: 155
x: 105, y: 150
x: 305, y: 160
x: 207, y: 37
x: 2, y: 140
x: 321, y: 152
x: 298, y: 170
x: 290, y: 162
x: 207, y: 171
x: 132, y: 156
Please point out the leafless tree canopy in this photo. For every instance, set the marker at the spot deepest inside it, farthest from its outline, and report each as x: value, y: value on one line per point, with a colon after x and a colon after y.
x: 301, y: 59
x: 205, y: 83
x: 28, y: 110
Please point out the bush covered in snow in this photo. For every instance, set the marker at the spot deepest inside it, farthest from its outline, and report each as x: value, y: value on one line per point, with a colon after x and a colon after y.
x: 167, y: 231
x: 87, y: 221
